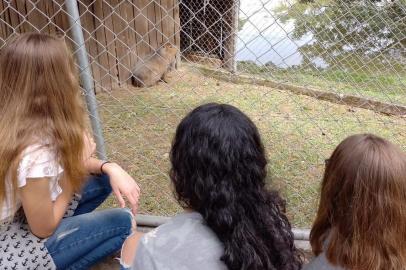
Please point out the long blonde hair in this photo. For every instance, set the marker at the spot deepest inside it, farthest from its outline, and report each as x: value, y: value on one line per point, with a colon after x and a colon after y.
x: 361, y: 221
x: 39, y: 99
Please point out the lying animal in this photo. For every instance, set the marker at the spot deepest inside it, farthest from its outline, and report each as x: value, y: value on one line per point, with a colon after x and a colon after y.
x: 155, y: 67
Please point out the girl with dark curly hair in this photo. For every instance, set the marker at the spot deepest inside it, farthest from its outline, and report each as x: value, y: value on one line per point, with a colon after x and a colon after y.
x: 231, y: 221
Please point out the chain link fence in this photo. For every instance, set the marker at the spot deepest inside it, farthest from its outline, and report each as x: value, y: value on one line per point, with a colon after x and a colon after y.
x: 309, y: 73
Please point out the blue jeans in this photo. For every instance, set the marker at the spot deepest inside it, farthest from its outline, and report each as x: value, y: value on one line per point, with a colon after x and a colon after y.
x: 87, y: 237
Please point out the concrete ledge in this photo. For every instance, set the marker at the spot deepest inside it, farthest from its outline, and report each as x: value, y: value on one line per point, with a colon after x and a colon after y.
x: 147, y: 221
x: 342, y: 99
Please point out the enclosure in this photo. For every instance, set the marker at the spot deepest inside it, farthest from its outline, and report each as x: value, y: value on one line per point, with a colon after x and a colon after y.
x: 309, y: 73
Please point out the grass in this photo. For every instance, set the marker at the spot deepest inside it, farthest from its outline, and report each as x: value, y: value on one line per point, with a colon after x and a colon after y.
x: 385, y: 87
x: 299, y: 133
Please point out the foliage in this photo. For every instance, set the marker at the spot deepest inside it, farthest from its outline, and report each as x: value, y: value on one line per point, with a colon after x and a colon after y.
x: 342, y: 29
x: 241, y: 23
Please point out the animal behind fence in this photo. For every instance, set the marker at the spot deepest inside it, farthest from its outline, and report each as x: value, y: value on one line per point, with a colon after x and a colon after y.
x: 155, y: 67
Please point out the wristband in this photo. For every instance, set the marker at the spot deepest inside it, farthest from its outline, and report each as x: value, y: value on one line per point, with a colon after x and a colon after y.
x: 101, y: 166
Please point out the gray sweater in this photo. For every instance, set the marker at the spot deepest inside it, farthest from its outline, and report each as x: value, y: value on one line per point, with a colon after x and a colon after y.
x: 184, y: 243
x: 321, y: 263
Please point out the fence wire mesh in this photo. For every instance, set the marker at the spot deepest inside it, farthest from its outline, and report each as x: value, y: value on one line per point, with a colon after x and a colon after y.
x: 309, y: 73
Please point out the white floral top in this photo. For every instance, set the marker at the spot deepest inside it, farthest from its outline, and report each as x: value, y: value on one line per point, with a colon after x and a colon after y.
x: 38, y: 161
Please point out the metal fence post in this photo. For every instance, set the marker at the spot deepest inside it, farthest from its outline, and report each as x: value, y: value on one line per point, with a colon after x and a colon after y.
x: 85, y: 75
x: 231, y: 40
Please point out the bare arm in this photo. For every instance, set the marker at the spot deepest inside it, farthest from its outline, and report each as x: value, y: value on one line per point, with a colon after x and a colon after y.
x: 121, y: 182
x: 43, y: 214
x: 129, y: 248
x: 93, y: 165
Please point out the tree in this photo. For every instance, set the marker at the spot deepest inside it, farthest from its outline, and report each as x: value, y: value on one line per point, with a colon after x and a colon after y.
x: 340, y: 28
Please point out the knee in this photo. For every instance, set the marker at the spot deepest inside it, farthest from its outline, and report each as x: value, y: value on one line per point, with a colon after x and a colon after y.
x: 125, y: 216
x: 124, y: 219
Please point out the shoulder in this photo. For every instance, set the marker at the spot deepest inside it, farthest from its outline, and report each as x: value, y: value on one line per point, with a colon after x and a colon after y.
x: 183, y: 241
x: 185, y: 227
x: 173, y: 229
x: 38, y: 160
x: 321, y: 263
x: 38, y: 153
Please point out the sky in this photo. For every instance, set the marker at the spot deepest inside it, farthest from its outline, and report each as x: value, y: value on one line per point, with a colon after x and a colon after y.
x: 264, y: 38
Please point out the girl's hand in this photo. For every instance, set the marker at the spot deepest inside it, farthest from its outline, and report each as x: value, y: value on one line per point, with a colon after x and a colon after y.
x: 123, y: 184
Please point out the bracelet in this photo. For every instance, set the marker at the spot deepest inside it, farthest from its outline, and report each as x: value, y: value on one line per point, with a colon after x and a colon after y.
x: 101, y: 166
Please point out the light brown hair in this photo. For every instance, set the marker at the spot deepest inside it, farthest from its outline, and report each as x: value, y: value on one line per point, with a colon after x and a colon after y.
x: 361, y: 220
x: 39, y: 99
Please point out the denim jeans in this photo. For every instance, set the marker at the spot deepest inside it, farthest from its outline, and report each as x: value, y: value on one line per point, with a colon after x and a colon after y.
x: 87, y: 237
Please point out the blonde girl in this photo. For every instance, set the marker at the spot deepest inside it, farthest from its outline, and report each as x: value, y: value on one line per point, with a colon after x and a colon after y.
x: 46, y: 157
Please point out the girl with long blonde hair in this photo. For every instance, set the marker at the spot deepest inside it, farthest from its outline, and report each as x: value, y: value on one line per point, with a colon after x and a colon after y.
x: 361, y: 220
x: 46, y: 158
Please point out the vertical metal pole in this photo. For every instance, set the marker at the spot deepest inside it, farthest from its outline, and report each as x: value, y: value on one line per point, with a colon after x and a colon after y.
x: 230, y: 42
x: 85, y: 74
x: 235, y: 35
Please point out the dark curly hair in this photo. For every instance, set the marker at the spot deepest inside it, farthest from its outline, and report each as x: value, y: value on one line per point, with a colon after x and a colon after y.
x: 219, y: 170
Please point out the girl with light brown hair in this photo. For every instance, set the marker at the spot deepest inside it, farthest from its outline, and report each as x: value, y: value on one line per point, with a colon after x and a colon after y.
x: 47, y: 195
x: 361, y: 220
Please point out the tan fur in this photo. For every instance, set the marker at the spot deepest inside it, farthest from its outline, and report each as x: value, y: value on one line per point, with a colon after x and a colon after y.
x: 154, y: 68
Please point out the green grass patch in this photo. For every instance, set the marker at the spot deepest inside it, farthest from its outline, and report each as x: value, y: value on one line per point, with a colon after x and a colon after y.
x: 387, y: 87
x: 299, y: 133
